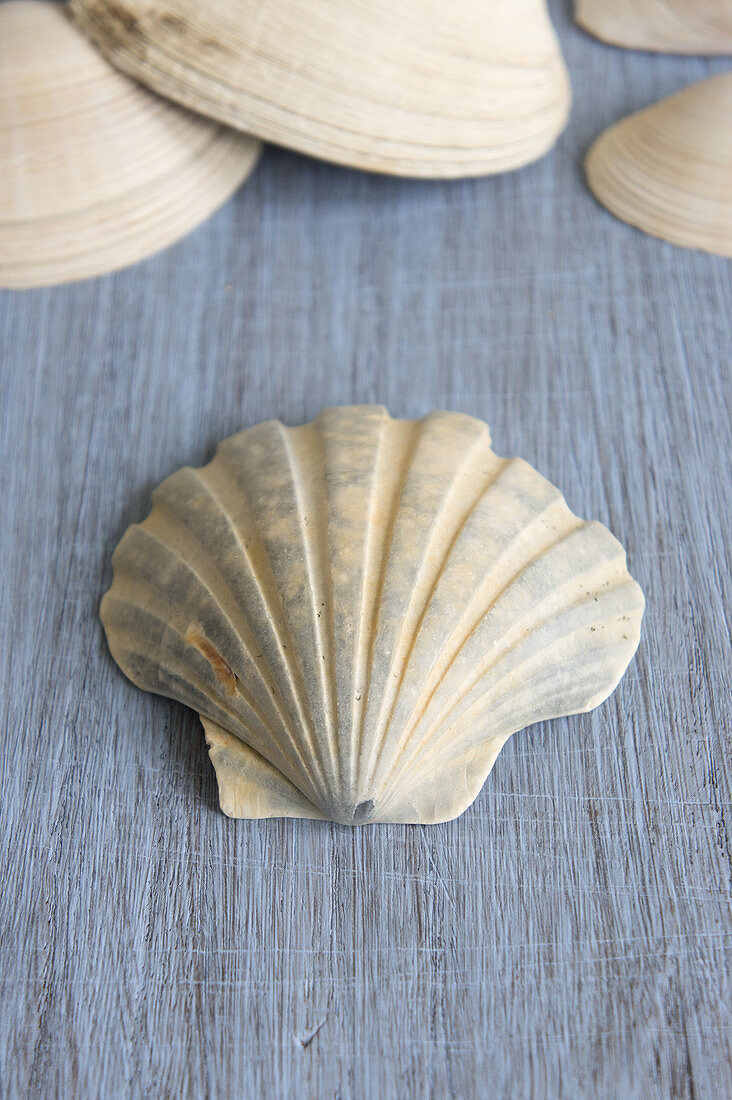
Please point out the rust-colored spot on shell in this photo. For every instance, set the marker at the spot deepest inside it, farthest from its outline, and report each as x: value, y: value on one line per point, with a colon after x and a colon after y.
x: 222, y: 670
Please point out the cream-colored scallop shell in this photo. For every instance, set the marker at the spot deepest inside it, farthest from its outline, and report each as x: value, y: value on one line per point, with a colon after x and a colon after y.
x: 96, y: 172
x: 362, y: 610
x: 666, y: 26
x: 410, y: 87
x: 668, y: 169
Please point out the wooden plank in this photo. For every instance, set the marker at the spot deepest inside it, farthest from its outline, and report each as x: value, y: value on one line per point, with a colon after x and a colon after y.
x: 569, y: 935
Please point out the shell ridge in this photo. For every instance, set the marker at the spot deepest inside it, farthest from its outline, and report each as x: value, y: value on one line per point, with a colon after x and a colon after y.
x: 529, y: 622
x: 239, y: 624
x: 475, y: 617
x: 606, y: 640
x: 196, y: 674
x: 416, y: 427
x: 153, y: 608
x: 498, y: 652
x: 269, y: 595
x: 555, y: 705
x: 188, y: 677
x: 467, y: 771
x: 366, y: 615
x: 441, y: 731
x: 317, y: 562
x: 409, y: 627
x: 266, y: 583
x: 241, y: 629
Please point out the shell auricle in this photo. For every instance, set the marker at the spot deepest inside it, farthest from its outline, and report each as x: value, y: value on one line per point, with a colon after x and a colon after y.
x: 96, y: 172
x: 668, y: 168
x: 362, y: 610
x: 408, y: 87
x: 664, y: 26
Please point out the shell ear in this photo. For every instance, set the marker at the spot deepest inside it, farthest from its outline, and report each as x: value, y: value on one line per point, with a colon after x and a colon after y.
x: 249, y: 786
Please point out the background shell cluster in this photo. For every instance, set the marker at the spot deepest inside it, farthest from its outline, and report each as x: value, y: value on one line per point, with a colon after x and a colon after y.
x: 668, y: 169
x: 96, y: 172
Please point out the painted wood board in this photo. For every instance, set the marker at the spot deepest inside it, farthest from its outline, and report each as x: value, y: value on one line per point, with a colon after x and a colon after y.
x: 570, y: 935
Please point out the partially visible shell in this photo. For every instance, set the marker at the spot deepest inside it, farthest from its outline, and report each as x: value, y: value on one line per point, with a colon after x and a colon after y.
x: 668, y: 169
x: 96, y: 172
x: 362, y: 610
x: 666, y: 26
x: 408, y: 87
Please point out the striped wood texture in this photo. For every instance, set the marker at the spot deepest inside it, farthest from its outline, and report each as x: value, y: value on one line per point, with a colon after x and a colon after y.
x: 569, y: 936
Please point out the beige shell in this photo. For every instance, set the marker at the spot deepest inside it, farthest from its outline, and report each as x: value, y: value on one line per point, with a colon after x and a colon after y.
x: 96, y: 172
x: 409, y: 87
x: 362, y: 610
x: 668, y: 169
x: 666, y: 26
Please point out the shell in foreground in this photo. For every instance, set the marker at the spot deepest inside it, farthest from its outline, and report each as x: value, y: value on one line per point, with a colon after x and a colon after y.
x: 362, y: 610
x: 668, y: 169
x: 409, y: 87
x: 96, y: 172
x: 665, y: 26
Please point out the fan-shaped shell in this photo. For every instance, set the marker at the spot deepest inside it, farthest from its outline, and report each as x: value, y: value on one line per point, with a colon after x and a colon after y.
x: 362, y: 610
x: 411, y: 87
x: 96, y: 172
x: 666, y: 26
x: 668, y: 169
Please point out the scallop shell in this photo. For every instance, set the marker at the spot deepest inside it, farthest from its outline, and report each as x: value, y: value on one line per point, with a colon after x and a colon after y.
x: 96, y: 172
x: 409, y: 87
x: 668, y: 168
x: 667, y: 26
x: 362, y: 610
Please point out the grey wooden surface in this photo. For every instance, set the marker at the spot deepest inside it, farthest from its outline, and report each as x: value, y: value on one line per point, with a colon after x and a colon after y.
x: 569, y: 935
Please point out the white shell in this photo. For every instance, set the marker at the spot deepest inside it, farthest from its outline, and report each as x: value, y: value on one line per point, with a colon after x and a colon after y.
x: 410, y: 87
x: 666, y: 26
x: 668, y: 169
x: 362, y: 610
x: 96, y: 172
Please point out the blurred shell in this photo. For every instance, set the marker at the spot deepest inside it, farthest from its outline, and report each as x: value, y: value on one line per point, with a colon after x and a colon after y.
x: 668, y: 168
x: 666, y: 26
x: 409, y: 87
x: 95, y: 171
x: 363, y: 609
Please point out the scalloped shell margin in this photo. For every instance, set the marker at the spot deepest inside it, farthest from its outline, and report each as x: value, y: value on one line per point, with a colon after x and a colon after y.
x: 362, y: 610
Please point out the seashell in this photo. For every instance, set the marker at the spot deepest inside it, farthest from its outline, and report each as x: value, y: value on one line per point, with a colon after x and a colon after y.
x: 408, y: 87
x: 668, y: 169
x: 666, y: 26
x: 362, y: 610
x: 96, y: 172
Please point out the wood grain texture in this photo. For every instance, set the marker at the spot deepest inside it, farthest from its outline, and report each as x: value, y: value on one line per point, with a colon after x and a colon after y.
x: 569, y: 935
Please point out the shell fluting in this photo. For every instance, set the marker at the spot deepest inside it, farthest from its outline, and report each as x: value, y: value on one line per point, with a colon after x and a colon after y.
x: 362, y: 610
x: 407, y: 87
x: 668, y: 168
